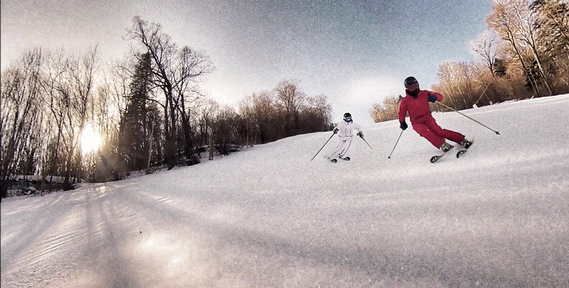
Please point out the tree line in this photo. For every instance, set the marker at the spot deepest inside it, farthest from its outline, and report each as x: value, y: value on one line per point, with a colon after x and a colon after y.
x: 524, y: 53
x: 148, y: 109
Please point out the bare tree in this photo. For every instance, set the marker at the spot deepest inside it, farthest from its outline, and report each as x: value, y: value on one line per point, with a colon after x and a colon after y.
x: 191, y: 66
x: 450, y: 77
x: 291, y: 98
x: 486, y: 46
x: 504, y: 24
x: 225, y: 130
x: 207, y: 111
x: 281, y: 112
x: 513, y: 21
x: 316, y: 114
x: 246, y: 111
x: 53, y: 74
x: 552, y: 25
x: 262, y: 112
x: 161, y: 50
x: 387, y: 110
x: 529, y: 37
x: 21, y: 115
x: 173, y: 72
x: 75, y: 91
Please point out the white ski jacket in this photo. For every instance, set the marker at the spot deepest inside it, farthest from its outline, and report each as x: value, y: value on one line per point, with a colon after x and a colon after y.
x: 348, y: 129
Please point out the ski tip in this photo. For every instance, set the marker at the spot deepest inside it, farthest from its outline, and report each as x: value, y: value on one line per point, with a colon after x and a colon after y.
x: 459, y: 153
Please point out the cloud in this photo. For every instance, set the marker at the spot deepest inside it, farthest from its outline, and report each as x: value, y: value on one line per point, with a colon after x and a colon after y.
x: 358, y: 95
x: 373, y: 87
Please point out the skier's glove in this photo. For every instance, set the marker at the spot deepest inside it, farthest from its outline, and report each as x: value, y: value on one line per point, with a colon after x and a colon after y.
x: 403, y: 125
x: 432, y: 98
x: 361, y: 134
x: 335, y: 131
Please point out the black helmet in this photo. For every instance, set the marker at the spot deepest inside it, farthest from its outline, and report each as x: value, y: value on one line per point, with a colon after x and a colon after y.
x: 347, y: 117
x: 410, y: 81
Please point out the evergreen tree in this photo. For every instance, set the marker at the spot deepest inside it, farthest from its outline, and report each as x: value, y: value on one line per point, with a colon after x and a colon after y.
x: 133, y: 139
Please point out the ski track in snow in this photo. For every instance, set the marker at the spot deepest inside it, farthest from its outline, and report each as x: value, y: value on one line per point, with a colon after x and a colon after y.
x: 268, y: 217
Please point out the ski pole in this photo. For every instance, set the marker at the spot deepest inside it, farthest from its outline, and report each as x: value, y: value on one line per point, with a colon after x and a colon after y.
x: 497, y: 132
x: 389, y: 157
x: 322, y: 147
x: 366, y: 143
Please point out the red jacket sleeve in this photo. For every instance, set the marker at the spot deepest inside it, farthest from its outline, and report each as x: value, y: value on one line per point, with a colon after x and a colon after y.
x: 402, y: 110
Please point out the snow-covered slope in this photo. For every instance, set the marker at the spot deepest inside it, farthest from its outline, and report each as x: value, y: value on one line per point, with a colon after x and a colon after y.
x: 268, y: 217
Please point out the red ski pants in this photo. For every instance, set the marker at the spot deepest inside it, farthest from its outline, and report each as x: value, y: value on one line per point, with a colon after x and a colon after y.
x: 428, y: 128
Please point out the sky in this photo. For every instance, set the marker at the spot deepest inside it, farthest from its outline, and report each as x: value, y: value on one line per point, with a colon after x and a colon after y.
x: 496, y: 217
x: 354, y: 52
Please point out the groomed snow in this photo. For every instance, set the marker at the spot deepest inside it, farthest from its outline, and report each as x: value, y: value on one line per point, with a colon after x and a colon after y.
x: 268, y: 217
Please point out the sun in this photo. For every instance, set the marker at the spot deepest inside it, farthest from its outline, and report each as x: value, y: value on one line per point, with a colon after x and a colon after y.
x: 90, y: 140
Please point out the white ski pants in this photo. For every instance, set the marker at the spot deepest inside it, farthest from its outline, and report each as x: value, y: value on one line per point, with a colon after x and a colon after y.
x: 341, y: 149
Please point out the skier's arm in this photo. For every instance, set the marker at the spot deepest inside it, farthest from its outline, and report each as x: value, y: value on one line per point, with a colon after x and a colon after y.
x: 402, y: 114
x: 435, y: 96
x: 402, y: 111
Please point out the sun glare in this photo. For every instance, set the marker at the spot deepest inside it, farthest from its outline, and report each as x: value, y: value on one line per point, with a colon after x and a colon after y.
x: 90, y: 139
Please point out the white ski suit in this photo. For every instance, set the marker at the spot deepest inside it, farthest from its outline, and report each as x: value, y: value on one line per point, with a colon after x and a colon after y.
x: 346, y: 132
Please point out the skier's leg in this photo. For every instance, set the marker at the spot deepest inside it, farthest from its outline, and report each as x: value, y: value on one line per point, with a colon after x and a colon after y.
x: 345, y: 147
x: 445, y: 133
x: 424, y: 131
x: 334, y: 153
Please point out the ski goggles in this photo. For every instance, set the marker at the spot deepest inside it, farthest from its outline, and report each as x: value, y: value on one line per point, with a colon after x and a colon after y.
x: 413, y: 87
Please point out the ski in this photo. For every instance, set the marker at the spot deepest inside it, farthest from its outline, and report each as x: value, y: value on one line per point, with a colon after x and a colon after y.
x: 343, y: 158
x: 460, y: 152
x: 436, y: 158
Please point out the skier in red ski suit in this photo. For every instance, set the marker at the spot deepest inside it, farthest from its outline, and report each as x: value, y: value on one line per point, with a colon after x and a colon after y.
x: 416, y: 103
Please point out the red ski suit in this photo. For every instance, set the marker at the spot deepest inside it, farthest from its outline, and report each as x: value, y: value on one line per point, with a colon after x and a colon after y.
x: 422, y: 120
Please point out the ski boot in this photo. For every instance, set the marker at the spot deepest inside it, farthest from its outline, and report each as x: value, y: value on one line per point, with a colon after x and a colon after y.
x: 466, y: 143
x: 446, y: 147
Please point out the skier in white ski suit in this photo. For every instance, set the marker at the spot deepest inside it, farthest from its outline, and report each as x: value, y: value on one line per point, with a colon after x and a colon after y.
x: 346, y: 130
